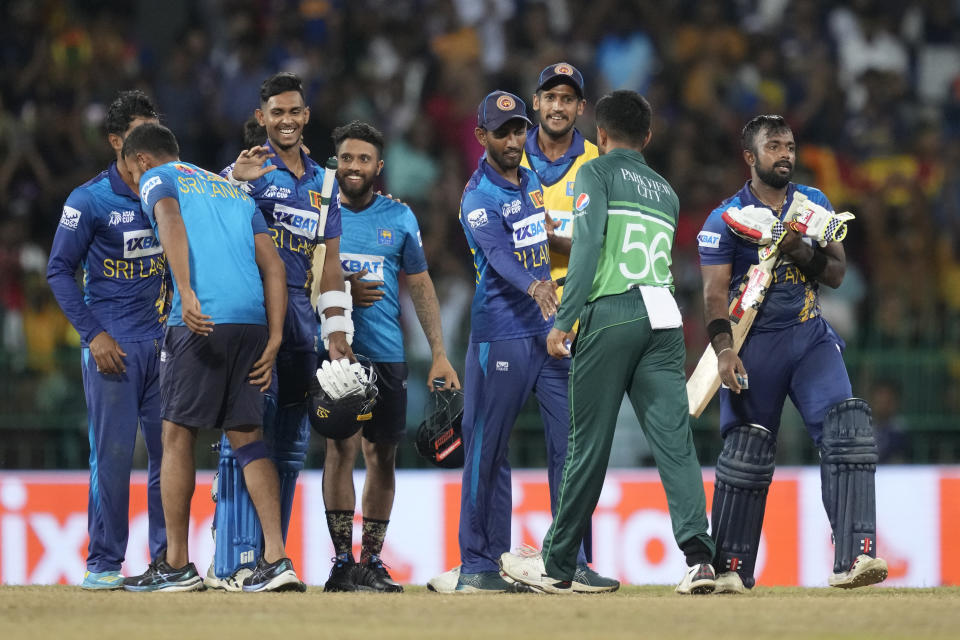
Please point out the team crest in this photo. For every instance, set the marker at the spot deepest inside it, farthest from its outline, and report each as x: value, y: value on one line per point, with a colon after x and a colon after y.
x: 582, y: 201
x: 316, y: 200
x: 563, y: 68
x: 182, y: 168
x: 384, y: 236
x: 570, y: 188
x: 506, y: 103
x: 537, y: 197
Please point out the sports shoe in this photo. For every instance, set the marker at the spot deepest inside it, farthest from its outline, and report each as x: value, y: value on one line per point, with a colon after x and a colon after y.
x: 488, y: 582
x: 529, y: 570
x: 699, y: 579
x: 232, y: 583
x: 586, y: 580
x: 160, y: 576
x: 374, y: 575
x: 103, y: 581
x: 729, y: 582
x: 864, y: 571
x: 273, y: 576
x: 342, y: 575
x: 446, y: 582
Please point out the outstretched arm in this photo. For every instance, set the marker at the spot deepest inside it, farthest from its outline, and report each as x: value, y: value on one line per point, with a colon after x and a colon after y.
x: 428, y: 312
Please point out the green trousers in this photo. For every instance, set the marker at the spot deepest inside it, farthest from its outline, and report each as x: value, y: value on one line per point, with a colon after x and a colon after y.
x: 617, y: 352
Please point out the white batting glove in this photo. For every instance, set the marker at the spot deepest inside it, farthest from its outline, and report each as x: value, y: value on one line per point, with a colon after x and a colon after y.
x: 339, y: 379
x: 756, y: 224
x: 814, y: 221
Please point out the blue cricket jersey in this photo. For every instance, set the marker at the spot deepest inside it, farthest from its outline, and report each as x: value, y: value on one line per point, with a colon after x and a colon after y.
x: 221, y: 221
x: 505, y: 227
x: 291, y: 208
x: 382, y: 238
x: 103, y: 230
x: 792, y: 298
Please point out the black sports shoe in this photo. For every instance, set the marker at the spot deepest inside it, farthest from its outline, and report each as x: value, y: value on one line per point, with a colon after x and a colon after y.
x: 374, y: 575
x: 160, y: 576
x: 273, y: 576
x: 342, y: 575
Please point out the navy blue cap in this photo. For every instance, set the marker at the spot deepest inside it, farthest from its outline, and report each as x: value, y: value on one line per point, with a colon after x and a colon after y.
x: 498, y: 108
x: 561, y: 73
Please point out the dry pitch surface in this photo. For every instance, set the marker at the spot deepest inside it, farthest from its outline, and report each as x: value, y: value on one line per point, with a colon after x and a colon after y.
x: 50, y: 613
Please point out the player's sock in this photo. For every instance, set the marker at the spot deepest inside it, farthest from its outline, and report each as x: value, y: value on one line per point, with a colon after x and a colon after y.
x: 340, y: 525
x: 374, y: 531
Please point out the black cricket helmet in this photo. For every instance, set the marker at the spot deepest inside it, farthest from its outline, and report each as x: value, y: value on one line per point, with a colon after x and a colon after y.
x: 439, y: 437
x: 341, y: 419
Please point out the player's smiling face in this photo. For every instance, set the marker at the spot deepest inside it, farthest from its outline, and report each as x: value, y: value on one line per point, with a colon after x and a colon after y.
x: 774, y: 156
x: 504, y: 145
x: 358, y: 165
x: 284, y: 116
x: 558, y: 108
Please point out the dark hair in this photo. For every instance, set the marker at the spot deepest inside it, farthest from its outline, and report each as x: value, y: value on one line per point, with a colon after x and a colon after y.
x: 625, y: 116
x: 151, y: 138
x: 771, y: 123
x: 359, y: 131
x: 280, y: 83
x: 254, y: 133
x: 125, y: 107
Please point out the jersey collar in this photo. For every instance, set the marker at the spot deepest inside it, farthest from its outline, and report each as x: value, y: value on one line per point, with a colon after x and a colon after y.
x: 491, y: 174
x: 575, y: 149
x: 308, y: 164
x: 118, y: 185
x: 747, y: 197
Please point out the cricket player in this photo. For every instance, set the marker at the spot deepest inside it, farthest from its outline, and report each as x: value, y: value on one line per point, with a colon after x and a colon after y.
x: 381, y: 238
x: 286, y: 184
x: 791, y: 350
x: 223, y: 335
x: 119, y: 316
x: 630, y: 340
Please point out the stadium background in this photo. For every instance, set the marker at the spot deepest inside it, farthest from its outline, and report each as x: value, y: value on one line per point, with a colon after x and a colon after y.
x: 871, y: 88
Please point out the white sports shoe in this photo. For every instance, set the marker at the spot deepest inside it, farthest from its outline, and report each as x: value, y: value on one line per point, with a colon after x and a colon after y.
x: 529, y: 570
x: 729, y: 582
x: 698, y: 580
x: 864, y: 571
x: 446, y: 582
x: 232, y: 583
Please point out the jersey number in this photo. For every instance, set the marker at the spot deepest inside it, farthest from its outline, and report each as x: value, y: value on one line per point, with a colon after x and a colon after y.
x: 650, y: 254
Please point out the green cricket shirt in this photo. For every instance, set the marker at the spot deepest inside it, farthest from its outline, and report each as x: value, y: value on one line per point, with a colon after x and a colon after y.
x: 624, y: 223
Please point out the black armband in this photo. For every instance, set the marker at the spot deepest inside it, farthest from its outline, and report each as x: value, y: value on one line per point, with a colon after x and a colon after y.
x: 815, y: 266
x: 718, y: 326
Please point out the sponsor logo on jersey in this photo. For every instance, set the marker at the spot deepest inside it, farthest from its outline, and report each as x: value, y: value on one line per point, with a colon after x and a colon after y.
x: 70, y: 217
x: 297, y: 221
x: 277, y: 193
x: 503, y: 365
x: 536, y: 196
x: 477, y: 218
x: 354, y: 262
x: 316, y: 199
x: 565, y: 220
x: 583, y: 201
x: 506, y: 103
x: 529, y: 231
x: 148, y: 187
x: 385, y: 236
x: 708, y: 239
x: 182, y: 168
x: 140, y: 243
x: 121, y: 217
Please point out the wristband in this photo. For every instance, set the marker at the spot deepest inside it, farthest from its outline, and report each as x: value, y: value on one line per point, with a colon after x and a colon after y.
x: 718, y: 326
x: 724, y: 349
x: 815, y: 266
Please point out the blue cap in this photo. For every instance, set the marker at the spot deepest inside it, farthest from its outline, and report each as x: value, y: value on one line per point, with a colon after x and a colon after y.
x: 561, y: 73
x: 498, y: 108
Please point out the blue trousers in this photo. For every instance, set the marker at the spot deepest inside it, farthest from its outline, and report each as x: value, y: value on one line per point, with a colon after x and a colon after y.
x: 116, y: 404
x: 804, y: 361
x: 499, y: 377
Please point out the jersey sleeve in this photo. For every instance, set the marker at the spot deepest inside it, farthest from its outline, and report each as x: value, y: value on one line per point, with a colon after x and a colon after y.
x: 412, y: 259
x: 589, y: 221
x: 334, y: 228
x: 155, y: 185
x: 75, y: 232
x: 482, y: 219
x: 715, y: 242
x: 258, y: 222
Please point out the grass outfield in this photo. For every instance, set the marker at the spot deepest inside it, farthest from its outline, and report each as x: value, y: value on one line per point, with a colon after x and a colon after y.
x: 54, y: 612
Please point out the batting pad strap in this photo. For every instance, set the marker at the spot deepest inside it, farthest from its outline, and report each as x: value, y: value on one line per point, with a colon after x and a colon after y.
x: 334, y: 298
x: 251, y: 452
x: 333, y: 324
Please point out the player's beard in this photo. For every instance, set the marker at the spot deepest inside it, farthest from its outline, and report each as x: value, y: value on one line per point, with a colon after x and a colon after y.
x: 354, y: 192
x: 284, y: 147
x: 545, y: 126
x: 774, y: 179
x: 505, y: 163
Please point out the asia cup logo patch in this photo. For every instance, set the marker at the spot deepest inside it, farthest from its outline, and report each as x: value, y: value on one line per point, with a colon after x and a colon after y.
x: 506, y: 103
x: 536, y: 197
x: 583, y: 200
x: 563, y: 68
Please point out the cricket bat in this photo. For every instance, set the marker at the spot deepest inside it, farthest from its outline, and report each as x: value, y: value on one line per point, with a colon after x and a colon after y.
x: 320, y: 249
x: 705, y: 379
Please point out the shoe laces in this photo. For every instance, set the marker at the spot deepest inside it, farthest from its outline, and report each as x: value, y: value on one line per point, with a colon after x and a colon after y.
x: 526, y: 551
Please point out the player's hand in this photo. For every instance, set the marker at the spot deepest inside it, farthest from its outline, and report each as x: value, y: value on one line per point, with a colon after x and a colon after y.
x: 262, y: 370
x: 442, y: 369
x: 364, y: 292
x: 731, y: 369
x: 195, y: 320
x: 107, y: 354
x: 249, y: 165
x: 551, y: 225
x: 793, y: 247
x: 338, y: 347
x: 390, y: 195
x: 544, y: 292
x: 557, y: 342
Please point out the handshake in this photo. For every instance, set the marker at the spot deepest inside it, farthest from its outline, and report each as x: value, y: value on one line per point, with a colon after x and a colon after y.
x: 760, y: 225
